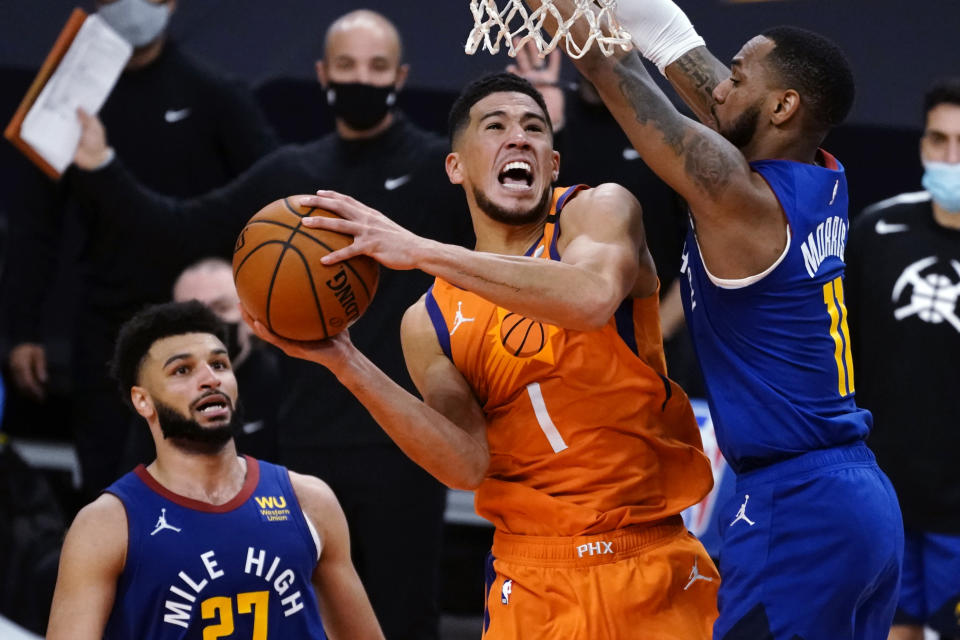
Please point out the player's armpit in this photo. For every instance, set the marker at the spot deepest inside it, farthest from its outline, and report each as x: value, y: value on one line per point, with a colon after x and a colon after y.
x: 343, y: 602
x: 445, y: 390
x: 91, y: 562
x: 601, y: 230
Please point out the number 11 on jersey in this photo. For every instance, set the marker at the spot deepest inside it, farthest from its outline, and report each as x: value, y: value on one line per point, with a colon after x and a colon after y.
x: 839, y: 331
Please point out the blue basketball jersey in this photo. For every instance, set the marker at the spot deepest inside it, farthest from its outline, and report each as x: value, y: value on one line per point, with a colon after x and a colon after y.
x: 775, y: 349
x: 194, y: 570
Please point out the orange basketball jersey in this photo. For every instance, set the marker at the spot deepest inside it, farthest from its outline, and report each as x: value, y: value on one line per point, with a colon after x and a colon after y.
x: 586, y: 432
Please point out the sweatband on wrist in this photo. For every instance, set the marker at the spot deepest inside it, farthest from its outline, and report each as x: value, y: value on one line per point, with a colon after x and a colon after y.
x: 661, y: 31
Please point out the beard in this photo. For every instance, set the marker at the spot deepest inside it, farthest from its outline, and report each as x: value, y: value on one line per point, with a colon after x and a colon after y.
x: 506, y: 216
x: 744, y: 128
x: 187, y: 435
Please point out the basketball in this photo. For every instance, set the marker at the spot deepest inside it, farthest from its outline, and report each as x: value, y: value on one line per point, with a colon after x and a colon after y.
x: 282, y: 283
x: 521, y: 336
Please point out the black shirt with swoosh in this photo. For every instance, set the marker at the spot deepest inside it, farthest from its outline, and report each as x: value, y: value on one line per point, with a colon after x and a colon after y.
x: 902, y: 288
x: 182, y: 129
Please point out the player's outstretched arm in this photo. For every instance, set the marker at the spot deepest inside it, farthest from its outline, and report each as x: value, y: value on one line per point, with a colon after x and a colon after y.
x: 694, y: 76
x: 344, y: 605
x: 601, y: 239
x: 91, y: 561
x: 666, y: 37
x: 446, y: 436
x: 739, y: 220
x: 180, y: 228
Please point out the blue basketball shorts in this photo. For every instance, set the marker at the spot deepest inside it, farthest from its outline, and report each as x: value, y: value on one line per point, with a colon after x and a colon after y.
x: 930, y: 584
x: 811, y: 550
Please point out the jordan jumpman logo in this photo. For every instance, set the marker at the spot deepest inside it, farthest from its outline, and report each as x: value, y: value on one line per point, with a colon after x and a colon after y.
x: 162, y: 524
x: 696, y: 575
x: 458, y: 319
x: 742, y: 513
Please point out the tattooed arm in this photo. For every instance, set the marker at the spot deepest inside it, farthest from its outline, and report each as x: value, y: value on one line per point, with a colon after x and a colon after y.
x: 740, y: 225
x: 694, y: 75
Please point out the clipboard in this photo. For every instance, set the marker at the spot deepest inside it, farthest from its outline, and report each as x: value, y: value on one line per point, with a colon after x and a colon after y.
x: 12, y: 132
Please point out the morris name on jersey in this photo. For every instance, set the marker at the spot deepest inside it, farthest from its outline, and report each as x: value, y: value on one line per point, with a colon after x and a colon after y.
x: 828, y: 239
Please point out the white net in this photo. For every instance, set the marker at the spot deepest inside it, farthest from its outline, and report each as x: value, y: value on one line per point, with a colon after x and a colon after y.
x: 515, y: 25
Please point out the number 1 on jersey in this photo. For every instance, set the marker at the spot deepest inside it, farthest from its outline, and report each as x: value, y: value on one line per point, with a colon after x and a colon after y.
x: 543, y: 418
x: 839, y: 331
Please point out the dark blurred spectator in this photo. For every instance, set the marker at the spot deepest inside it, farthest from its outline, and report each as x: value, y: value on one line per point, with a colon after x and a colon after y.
x: 181, y: 128
x: 903, y: 288
x: 394, y: 508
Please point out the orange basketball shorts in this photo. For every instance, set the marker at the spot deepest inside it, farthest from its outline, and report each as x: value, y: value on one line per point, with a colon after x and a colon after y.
x: 639, y: 583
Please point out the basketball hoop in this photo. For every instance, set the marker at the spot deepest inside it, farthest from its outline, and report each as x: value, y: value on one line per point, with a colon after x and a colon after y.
x: 516, y: 25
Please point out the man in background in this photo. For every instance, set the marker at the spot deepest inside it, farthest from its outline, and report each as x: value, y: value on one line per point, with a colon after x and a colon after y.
x: 182, y: 129
x: 903, y: 283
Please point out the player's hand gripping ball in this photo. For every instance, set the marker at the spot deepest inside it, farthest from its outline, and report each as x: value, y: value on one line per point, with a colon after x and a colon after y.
x: 282, y: 283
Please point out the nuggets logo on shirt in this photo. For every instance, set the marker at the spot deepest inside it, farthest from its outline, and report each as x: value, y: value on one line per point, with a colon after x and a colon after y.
x: 273, y: 508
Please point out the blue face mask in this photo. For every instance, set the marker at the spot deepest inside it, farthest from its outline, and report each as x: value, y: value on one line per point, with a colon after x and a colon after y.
x: 942, y: 180
x: 139, y: 22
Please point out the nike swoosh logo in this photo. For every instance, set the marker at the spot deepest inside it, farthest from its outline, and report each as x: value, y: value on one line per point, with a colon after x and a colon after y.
x: 395, y: 183
x: 883, y: 227
x: 176, y: 115
x: 631, y: 154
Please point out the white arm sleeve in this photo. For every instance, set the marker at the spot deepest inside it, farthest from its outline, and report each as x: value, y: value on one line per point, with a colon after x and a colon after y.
x: 660, y: 29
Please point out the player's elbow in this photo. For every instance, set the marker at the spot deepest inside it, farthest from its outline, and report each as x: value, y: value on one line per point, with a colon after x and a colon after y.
x: 594, y: 310
x: 469, y: 475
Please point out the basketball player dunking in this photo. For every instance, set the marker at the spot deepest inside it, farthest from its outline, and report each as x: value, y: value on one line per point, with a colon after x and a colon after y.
x: 540, y: 362
x: 203, y: 543
x: 812, y: 541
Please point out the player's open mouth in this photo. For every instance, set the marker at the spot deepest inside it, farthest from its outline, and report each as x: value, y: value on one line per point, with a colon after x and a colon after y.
x: 516, y: 175
x: 213, y: 406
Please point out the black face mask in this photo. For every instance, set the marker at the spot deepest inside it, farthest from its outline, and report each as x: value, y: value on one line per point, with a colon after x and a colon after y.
x: 361, y: 106
x: 233, y: 339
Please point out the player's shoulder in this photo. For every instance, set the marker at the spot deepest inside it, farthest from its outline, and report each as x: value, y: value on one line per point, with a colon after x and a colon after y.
x: 607, y: 206
x: 315, y: 496
x: 107, y: 508
x: 604, y: 199
x: 101, y: 524
x: 416, y: 324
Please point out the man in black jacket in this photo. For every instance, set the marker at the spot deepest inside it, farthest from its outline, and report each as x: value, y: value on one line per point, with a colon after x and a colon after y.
x: 903, y: 292
x: 182, y: 129
x: 394, y: 508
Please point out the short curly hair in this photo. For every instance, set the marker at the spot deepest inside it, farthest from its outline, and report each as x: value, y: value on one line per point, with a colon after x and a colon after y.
x: 482, y: 87
x: 817, y: 68
x: 154, y: 323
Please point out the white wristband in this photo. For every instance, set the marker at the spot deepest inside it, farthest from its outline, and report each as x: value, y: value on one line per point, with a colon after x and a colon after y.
x: 660, y: 30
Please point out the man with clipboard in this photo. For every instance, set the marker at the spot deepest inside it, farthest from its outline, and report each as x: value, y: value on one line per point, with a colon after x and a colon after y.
x: 183, y: 130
